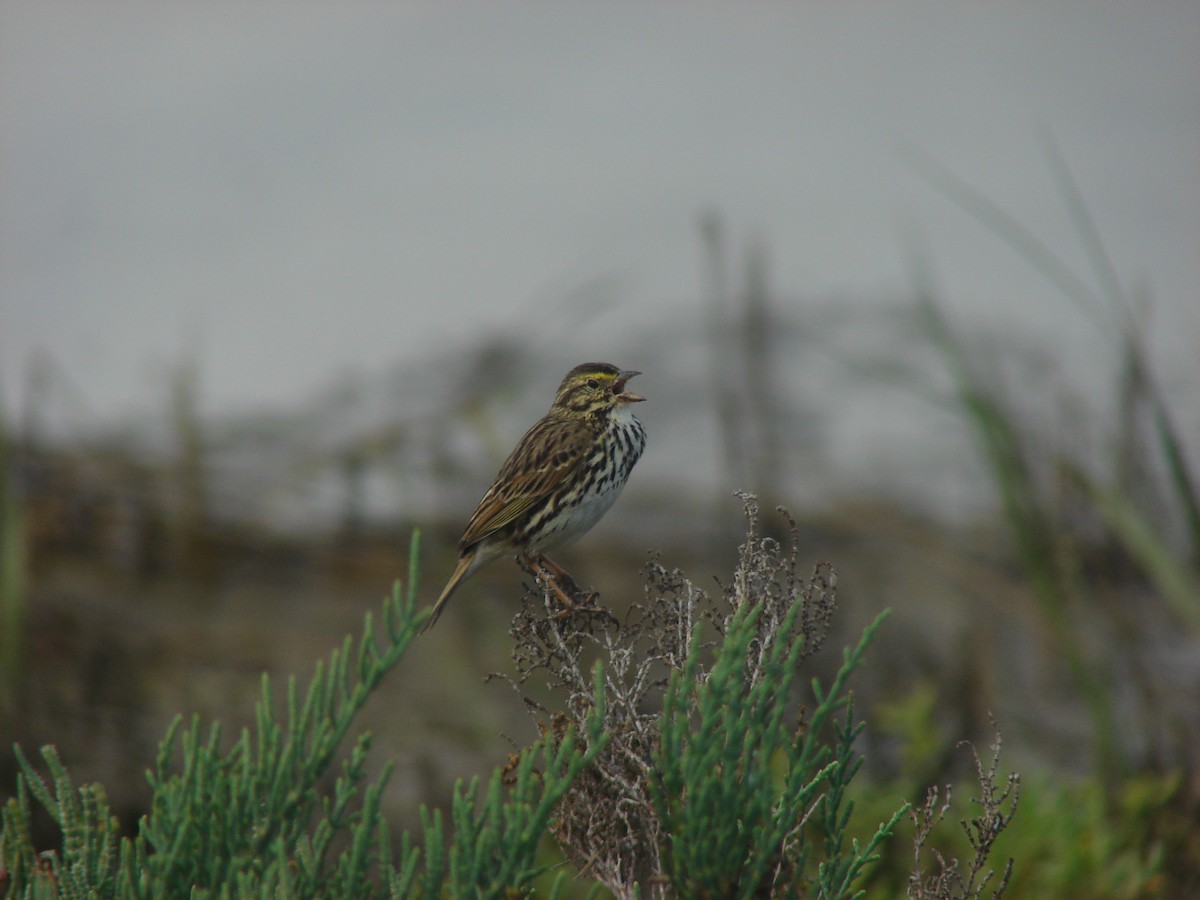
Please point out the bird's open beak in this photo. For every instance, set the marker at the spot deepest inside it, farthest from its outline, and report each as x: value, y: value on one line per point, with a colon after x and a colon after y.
x: 619, y: 387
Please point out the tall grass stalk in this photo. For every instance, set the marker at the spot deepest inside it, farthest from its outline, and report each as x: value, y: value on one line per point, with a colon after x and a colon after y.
x: 1138, y: 380
x: 1110, y: 308
x: 1042, y: 553
x: 1142, y: 501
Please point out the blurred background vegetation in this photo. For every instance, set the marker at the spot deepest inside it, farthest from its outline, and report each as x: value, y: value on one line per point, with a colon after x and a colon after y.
x: 457, y: 206
x: 139, y: 583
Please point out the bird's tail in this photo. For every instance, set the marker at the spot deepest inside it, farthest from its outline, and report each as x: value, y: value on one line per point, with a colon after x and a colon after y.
x: 466, y: 565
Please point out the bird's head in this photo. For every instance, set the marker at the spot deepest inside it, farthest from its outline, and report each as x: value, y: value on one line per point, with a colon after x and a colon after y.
x: 594, y: 388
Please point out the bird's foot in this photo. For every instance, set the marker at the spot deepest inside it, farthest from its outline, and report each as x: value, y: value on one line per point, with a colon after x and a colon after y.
x: 559, y: 582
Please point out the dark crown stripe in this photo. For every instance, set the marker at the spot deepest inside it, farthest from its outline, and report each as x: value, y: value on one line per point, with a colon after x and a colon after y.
x: 596, y: 367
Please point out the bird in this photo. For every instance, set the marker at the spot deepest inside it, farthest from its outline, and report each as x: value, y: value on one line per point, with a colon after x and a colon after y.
x: 559, y: 480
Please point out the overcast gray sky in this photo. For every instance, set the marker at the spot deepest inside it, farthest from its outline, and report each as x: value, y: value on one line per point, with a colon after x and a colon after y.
x: 288, y: 191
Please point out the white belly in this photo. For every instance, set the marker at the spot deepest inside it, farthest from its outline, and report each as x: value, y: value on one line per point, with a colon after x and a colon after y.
x: 601, y: 488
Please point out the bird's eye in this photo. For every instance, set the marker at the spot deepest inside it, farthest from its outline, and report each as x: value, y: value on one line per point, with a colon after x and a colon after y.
x: 593, y: 383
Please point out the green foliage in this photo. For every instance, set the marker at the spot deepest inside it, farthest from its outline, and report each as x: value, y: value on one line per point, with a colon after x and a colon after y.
x: 912, y: 721
x: 88, y: 863
x: 1070, y: 841
x: 494, y: 850
x: 253, y: 820
x: 1077, y: 836
x: 247, y: 821
x: 1073, y: 844
x: 716, y: 781
x: 746, y: 794
x: 243, y: 815
x: 737, y: 823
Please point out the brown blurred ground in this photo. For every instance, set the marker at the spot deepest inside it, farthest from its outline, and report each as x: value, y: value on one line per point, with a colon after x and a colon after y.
x: 130, y: 625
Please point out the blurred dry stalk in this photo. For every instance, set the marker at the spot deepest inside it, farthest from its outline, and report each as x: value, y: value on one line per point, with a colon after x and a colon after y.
x: 742, y: 365
x: 190, y: 473
x: 608, y: 821
x: 12, y: 570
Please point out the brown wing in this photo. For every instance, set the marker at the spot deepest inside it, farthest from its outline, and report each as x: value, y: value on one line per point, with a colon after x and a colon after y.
x: 542, y: 460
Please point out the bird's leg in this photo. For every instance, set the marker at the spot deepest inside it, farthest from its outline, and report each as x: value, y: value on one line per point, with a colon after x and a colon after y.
x: 549, y: 578
x: 559, y: 581
x: 559, y: 571
x: 565, y: 581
